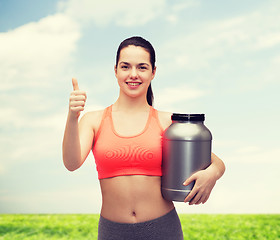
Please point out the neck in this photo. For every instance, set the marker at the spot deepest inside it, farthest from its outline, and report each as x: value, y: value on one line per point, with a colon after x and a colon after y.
x: 124, y: 103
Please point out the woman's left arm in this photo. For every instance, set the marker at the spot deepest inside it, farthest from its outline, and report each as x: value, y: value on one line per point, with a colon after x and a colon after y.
x: 205, y: 180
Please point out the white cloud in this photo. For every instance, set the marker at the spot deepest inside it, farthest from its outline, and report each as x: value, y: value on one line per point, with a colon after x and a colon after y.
x: 254, y: 154
x: 82, y: 199
x: 2, y: 169
x: 172, y: 18
x: 268, y: 41
x: 37, y: 51
x: 30, y: 137
x: 184, y: 5
x: 276, y: 60
x: 173, y: 12
x: 33, y: 138
x: 169, y: 97
x: 237, y: 37
x: 34, y: 145
x: 248, y: 150
x: 32, y: 57
x: 125, y: 13
x: 122, y: 12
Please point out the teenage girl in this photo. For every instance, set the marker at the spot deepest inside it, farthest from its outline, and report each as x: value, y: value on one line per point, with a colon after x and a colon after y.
x: 125, y: 139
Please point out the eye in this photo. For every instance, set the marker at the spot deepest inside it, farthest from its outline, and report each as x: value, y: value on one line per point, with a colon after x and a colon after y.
x: 124, y: 67
x: 143, y: 68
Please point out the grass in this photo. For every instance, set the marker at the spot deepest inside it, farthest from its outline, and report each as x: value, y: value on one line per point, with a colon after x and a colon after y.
x: 231, y: 227
x: 84, y: 226
x: 53, y: 226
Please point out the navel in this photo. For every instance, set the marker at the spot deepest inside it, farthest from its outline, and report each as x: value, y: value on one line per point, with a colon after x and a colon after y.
x: 133, y: 213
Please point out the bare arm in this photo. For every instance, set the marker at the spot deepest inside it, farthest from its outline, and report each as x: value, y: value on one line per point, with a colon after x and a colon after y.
x: 205, y: 180
x: 217, y: 166
x: 78, y: 136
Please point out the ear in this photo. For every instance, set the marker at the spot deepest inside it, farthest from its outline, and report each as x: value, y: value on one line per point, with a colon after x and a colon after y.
x: 115, y: 69
x: 154, y: 72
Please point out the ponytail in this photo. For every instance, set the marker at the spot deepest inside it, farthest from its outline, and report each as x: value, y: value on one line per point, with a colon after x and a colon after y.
x: 150, y: 96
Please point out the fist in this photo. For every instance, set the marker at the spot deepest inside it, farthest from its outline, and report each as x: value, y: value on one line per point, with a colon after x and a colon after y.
x: 77, y: 99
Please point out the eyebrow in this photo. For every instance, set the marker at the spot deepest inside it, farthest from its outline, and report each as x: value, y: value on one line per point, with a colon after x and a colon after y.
x: 140, y: 64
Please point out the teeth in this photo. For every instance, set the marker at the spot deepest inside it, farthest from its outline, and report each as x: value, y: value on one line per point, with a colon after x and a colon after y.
x: 133, y: 84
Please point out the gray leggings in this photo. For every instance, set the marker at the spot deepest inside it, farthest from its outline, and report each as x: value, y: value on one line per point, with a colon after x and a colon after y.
x: 167, y: 227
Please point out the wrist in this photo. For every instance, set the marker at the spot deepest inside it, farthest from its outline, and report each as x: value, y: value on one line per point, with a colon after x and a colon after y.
x: 214, y: 172
x: 73, y: 116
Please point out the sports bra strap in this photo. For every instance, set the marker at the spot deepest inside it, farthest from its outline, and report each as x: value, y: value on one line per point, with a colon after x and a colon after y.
x: 155, y: 115
x: 105, y: 113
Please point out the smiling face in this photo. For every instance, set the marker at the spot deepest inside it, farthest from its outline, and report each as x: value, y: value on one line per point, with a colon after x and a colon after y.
x: 134, y: 71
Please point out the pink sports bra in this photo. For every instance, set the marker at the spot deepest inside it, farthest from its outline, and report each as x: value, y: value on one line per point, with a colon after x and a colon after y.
x: 117, y: 155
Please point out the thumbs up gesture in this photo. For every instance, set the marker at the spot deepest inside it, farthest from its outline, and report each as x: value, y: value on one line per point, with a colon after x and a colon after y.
x: 77, y: 99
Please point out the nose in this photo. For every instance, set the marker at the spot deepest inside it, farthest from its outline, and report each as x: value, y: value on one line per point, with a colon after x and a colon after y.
x: 133, y: 73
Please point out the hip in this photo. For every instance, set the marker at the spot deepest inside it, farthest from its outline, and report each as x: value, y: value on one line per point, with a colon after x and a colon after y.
x: 166, y: 227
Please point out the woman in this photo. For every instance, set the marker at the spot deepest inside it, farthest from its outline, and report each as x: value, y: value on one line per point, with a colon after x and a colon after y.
x: 126, y: 141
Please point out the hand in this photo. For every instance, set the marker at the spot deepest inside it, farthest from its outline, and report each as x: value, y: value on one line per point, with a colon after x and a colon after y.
x: 205, y: 180
x: 77, y: 100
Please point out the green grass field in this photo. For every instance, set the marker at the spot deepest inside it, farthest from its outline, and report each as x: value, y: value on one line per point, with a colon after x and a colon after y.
x: 195, y: 226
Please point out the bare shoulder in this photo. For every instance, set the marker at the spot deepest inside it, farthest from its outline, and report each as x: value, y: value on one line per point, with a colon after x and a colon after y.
x: 93, y: 115
x: 164, y: 119
x: 92, y: 119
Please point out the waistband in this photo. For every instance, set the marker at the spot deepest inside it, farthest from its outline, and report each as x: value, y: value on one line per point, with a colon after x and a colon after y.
x: 166, y: 216
x: 166, y: 227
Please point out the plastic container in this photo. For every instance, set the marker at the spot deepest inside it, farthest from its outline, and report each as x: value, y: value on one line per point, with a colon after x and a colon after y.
x: 186, y: 149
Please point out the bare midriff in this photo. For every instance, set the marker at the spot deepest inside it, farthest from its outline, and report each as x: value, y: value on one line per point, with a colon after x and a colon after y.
x: 133, y: 199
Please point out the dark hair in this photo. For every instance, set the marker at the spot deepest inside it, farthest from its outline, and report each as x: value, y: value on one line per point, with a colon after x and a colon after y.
x: 140, y: 42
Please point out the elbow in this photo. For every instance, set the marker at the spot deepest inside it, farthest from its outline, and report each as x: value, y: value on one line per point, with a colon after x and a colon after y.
x: 224, y: 167
x: 70, y: 166
x: 220, y: 165
x: 70, y: 162
x: 221, y: 170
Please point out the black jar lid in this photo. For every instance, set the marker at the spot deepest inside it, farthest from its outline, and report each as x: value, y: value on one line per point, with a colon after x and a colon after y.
x: 187, y: 117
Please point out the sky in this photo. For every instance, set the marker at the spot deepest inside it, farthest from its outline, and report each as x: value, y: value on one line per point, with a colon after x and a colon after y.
x: 220, y: 58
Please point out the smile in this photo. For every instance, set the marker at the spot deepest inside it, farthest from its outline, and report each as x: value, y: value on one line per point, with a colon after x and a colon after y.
x: 133, y: 83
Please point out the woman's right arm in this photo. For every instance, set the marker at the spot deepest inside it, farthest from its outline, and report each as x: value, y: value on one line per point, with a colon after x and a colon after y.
x: 78, y: 136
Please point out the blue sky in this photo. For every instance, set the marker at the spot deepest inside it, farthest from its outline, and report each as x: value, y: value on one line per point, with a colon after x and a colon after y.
x: 214, y: 57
